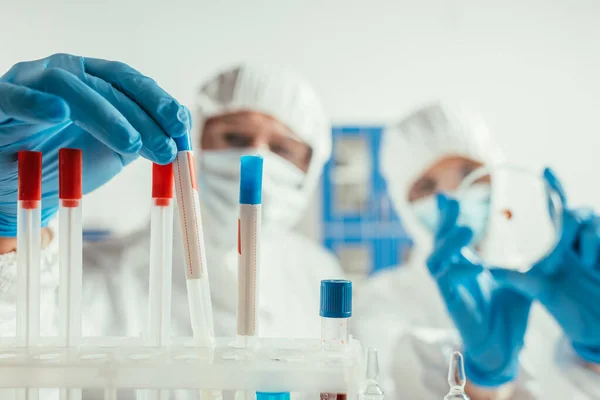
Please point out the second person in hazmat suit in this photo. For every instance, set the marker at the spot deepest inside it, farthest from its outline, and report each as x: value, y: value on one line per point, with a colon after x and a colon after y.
x: 441, y: 301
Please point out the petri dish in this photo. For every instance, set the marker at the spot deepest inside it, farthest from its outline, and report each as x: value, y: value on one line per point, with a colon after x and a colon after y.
x: 515, y: 215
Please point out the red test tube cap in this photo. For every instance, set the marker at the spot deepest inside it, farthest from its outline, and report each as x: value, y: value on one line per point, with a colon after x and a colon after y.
x: 162, y: 183
x: 30, y: 178
x: 69, y: 176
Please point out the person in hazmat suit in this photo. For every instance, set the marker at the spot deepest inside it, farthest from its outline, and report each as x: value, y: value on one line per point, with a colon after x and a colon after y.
x: 115, y: 115
x: 524, y: 335
x: 274, y: 113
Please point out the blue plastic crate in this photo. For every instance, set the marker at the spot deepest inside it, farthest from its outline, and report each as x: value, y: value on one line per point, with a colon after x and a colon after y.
x: 372, y: 228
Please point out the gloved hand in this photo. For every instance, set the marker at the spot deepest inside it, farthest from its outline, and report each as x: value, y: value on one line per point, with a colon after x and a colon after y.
x: 567, y: 282
x: 107, y: 109
x: 491, y: 319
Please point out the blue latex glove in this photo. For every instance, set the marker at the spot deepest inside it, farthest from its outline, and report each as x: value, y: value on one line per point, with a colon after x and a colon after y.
x: 567, y: 282
x: 107, y: 109
x: 491, y: 319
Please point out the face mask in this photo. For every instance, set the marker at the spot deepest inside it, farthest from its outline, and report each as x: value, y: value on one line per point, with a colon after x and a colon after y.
x: 283, y: 199
x: 474, y: 211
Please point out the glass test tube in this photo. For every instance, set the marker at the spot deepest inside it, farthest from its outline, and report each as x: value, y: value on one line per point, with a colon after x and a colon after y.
x: 70, y: 252
x: 29, y: 241
x: 161, y: 250
x: 198, y: 288
x: 196, y: 274
x: 249, y: 224
x: 335, y: 311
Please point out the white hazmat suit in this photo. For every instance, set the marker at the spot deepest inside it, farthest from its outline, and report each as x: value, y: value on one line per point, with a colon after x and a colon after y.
x: 401, y: 311
x: 116, y: 270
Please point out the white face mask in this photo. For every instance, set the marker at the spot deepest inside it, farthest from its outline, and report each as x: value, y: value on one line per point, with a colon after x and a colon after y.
x: 283, y: 198
x: 474, y: 211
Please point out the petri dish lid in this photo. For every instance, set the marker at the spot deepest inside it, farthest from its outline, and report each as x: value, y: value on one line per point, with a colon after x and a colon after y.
x: 516, y: 216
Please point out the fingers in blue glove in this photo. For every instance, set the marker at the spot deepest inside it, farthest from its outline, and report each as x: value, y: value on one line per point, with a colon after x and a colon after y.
x: 449, y: 210
x: 156, y: 145
x: 588, y: 245
x: 90, y: 110
x: 30, y: 105
x: 447, y: 247
x: 189, y: 116
x: 552, y: 181
x: 166, y: 111
x: 528, y: 284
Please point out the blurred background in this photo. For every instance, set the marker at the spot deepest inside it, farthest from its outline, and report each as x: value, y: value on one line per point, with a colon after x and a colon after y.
x: 529, y: 67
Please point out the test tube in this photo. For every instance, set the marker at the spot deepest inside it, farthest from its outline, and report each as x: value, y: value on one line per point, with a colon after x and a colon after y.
x: 249, y: 223
x: 161, y: 250
x: 336, y: 310
x: 29, y: 241
x: 198, y: 289
x: 70, y: 252
x: 196, y: 274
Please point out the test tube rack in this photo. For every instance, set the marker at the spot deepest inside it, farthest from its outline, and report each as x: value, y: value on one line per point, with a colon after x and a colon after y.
x: 275, y: 365
x: 29, y: 362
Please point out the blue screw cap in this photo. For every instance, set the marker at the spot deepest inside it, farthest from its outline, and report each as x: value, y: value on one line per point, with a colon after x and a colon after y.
x: 183, y: 143
x: 336, y: 299
x: 251, y: 171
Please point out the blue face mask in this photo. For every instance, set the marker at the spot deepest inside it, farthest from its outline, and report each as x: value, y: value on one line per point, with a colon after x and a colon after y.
x: 474, y: 211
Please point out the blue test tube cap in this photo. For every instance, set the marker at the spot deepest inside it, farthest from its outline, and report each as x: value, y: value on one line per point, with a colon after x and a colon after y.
x: 183, y: 143
x: 251, y: 171
x: 272, y: 395
x: 336, y: 298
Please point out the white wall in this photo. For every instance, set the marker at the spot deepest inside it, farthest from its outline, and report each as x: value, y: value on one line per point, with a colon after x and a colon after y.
x: 530, y: 67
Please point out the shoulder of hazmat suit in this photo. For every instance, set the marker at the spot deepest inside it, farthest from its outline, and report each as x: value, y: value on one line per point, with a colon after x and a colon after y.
x: 415, y: 349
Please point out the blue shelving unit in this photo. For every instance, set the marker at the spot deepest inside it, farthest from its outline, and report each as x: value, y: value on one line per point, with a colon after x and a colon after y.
x: 370, y: 232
